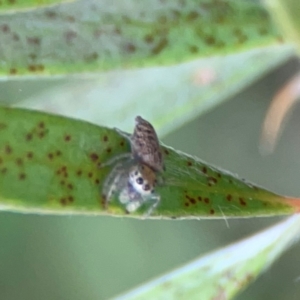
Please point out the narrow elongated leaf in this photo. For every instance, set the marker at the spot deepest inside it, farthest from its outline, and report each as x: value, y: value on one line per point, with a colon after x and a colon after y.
x: 13, y: 6
x: 224, y: 273
x: 93, y: 35
x: 51, y: 164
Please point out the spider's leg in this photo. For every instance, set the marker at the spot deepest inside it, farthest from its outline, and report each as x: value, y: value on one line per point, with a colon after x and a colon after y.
x: 112, y: 181
x: 116, y: 158
x: 156, y: 199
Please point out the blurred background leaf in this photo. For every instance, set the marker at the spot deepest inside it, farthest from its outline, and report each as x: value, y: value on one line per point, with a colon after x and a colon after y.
x: 13, y: 6
x: 225, y: 272
x: 94, y: 35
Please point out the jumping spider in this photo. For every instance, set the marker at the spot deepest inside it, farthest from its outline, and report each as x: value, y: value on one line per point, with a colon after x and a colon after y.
x: 134, y: 177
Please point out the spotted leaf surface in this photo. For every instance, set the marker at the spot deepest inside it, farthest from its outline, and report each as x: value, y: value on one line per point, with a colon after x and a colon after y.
x: 225, y: 272
x: 93, y: 35
x: 53, y: 164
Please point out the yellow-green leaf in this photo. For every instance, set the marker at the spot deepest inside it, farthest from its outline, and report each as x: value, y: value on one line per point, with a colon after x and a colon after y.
x: 50, y: 164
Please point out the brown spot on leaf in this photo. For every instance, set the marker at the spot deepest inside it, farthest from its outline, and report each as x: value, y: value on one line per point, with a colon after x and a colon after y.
x: 105, y: 138
x: 13, y: 71
x: 94, y: 156
x: 189, y: 164
x: 8, y: 149
x: 29, y: 155
x: 91, y: 57
x: 50, y: 156
x: 90, y: 174
x: 160, y: 46
x: 41, y: 134
x: 193, y: 201
x: 22, y: 176
x: 3, y: 170
x: 129, y: 48
x: 242, y: 201
x: 97, y: 181
x: 19, y: 161
x: 41, y: 125
x: 149, y: 38
x: 62, y: 182
x: 229, y: 197
x: 33, y: 41
x: 206, y: 200
x: 63, y: 201
x: 5, y: 28
x: 70, y: 186
x: 108, y: 150
x: 32, y: 68
x: 50, y: 14
x: 199, y: 198
x: 79, y: 172
x: 212, y: 211
x: 186, y: 204
x: 67, y: 138
x: 71, y: 199
x: 193, y: 49
x: 58, y: 153
x: 204, y: 170
x: 193, y: 15
x: 166, y: 152
x: 28, y: 136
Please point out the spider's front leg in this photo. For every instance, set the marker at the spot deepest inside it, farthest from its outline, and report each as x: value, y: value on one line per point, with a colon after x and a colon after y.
x: 156, y: 199
x: 116, y: 180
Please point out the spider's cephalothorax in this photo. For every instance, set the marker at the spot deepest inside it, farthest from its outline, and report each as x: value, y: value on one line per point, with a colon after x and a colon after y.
x: 135, y: 177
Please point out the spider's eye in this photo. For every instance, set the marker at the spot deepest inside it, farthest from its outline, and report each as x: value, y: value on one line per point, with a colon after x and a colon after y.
x: 140, y: 180
x: 146, y: 187
x: 135, y: 173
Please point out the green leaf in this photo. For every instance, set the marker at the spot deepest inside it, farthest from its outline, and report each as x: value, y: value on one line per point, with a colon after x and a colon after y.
x: 50, y: 164
x: 287, y: 16
x: 89, y: 35
x: 15, y: 5
x: 223, y: 273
